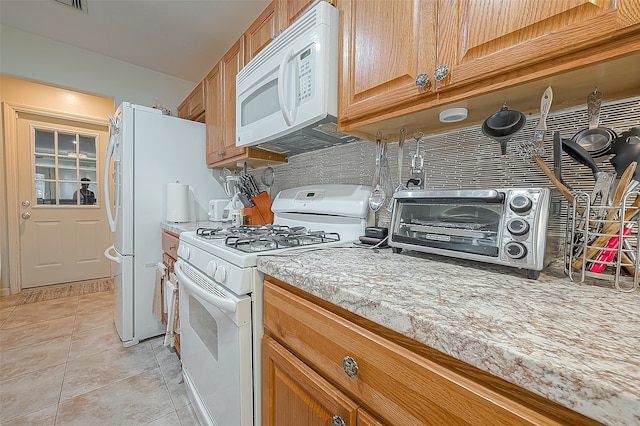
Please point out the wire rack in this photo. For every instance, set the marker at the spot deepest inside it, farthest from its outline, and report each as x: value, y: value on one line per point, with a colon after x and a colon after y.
x: 594, y: 247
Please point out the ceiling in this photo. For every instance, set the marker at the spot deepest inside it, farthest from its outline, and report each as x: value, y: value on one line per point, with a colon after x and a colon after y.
x: 181, y: 38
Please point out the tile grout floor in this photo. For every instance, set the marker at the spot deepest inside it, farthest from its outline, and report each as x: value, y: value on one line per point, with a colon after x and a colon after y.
x: 62, y: 363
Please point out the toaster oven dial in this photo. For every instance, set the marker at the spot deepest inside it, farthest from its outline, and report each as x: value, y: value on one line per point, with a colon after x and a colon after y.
x: 521, y: 204
x: 515, y: 250
x: 518, y: 227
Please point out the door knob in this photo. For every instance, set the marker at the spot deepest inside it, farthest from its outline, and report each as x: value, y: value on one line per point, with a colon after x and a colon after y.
x: 26, y: 203
x: 26, y: 215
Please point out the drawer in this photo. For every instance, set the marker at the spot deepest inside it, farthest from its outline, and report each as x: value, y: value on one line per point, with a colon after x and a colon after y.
x: 170, y: 244
x: 395, y: 384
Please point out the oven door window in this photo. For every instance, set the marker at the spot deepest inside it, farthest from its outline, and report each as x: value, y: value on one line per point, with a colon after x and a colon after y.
x: 461, y: 225
x: 204, y: 325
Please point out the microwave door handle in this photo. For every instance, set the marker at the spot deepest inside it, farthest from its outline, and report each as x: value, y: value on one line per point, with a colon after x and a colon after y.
x: 288, y: 115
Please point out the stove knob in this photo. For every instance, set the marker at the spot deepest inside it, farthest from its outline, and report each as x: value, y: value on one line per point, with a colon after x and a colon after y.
x: 211, y: 268
x: 221, y: 274
x: 521, y: 204
x: 184, y: 252
x: 515, y: 250
x: 518, y: 226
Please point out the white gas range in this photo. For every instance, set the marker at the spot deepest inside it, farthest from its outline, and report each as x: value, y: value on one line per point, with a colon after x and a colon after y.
x: 221, y: 322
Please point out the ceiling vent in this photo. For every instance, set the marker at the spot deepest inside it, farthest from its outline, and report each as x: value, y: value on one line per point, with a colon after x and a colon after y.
x: 80, y: 5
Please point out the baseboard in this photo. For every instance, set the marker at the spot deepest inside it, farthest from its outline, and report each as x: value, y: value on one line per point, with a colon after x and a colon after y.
x: 5, y: 292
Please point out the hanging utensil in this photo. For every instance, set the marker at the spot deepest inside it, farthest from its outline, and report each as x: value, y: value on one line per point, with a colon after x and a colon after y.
x: 596, y: 140
x: 401, y: 186
x: 503, y: 125
x: 268, y: 178
x: 627, y: 150
x: 377, y: 197
x: 557, y: 158
x: 533, y: 148
x: 417, y: 160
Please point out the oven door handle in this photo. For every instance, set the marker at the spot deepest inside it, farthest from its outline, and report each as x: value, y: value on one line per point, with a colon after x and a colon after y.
x: 221, y: 303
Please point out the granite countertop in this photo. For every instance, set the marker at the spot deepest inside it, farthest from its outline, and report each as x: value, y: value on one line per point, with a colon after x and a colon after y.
x: 179, y: 227
x: 576, y: 344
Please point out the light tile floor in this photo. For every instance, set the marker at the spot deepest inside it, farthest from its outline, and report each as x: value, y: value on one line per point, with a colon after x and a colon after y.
x: 62, y: 363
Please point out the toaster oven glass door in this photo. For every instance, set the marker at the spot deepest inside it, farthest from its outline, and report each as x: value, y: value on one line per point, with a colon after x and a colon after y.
x: 465, y: 225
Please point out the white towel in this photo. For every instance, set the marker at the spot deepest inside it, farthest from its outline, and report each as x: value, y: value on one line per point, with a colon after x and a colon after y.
x: 157, y: 291
x: 171, y: 291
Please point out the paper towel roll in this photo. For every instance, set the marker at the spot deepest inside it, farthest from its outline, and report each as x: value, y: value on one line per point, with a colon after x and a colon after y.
x: 177, y: 202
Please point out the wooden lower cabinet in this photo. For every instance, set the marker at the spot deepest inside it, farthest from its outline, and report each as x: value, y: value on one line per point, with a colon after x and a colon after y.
x: 297, y: 395
x: 327, y: 359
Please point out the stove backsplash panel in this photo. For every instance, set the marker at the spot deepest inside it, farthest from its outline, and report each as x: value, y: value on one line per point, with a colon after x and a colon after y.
x: 463, y: 158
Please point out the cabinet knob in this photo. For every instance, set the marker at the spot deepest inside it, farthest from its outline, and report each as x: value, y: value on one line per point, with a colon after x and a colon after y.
x: 441, y: 73
x: 220, y: 154
x: 337, y: 421
x: 350, y: 366
x: 422, y: 80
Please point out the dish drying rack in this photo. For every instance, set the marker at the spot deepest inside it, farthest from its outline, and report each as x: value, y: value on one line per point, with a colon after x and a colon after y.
x: 593, y: 245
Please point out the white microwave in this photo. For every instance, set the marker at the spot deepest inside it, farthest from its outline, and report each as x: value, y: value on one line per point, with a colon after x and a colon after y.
x: 287, y: 95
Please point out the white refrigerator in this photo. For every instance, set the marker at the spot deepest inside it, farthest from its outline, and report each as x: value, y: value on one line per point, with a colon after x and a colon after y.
x: 148, y: 150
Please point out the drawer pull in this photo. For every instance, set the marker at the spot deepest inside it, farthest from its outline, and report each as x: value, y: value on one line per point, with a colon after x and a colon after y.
x: 337, y: 421
x: 350, y: 367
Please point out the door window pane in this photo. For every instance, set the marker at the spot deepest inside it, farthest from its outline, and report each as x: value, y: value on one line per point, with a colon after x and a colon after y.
x: 48, y: 190
x: 87, y: 147
x: 46, y: 166
x: 45, y: 142
x: 66, y: 168
x: 66, y: 145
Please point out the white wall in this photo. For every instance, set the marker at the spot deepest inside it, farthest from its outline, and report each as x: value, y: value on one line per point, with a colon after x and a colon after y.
x: 39, y: 59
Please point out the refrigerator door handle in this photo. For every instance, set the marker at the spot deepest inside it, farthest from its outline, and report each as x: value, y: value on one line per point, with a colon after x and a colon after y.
x: 112, y: 218
x: 117, y: 258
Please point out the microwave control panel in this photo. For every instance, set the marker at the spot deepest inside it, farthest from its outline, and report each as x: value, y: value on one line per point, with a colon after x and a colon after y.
x: 305, y: 77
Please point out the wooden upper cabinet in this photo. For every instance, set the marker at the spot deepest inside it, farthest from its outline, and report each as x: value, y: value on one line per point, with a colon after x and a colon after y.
x: 385, y: 46
x: 479, y: 39
x: 192, y: 108
x: 290, y: 10
x: 214, y: 115
x: 261, y: 32
x: 221, y: 106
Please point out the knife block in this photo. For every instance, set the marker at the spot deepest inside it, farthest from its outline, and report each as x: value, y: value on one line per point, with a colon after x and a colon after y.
x: 260, y: 213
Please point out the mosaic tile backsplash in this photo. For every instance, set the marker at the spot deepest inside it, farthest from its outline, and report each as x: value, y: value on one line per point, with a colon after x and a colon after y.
x: 463, y: 158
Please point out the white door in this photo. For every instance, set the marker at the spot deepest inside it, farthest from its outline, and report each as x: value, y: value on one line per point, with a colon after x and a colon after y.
x: 62, y: 226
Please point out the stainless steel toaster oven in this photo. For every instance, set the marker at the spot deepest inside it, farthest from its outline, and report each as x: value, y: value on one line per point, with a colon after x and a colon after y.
x: 506, y: 226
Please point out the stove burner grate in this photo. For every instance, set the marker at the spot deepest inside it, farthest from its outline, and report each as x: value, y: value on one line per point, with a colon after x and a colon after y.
x: 279, y: 240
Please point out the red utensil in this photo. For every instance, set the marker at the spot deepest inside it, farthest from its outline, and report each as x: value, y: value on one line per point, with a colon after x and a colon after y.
x: 609, y: 253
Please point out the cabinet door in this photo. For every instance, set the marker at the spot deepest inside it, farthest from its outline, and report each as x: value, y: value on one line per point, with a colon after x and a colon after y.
x: 293, y: 394
x: 290, y: 10
x: 385, y: 46
x: 214, y: 116
x: 232, y: 62
x: 482, y: 38
x: 261, y: 32
x: 221, y: 106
